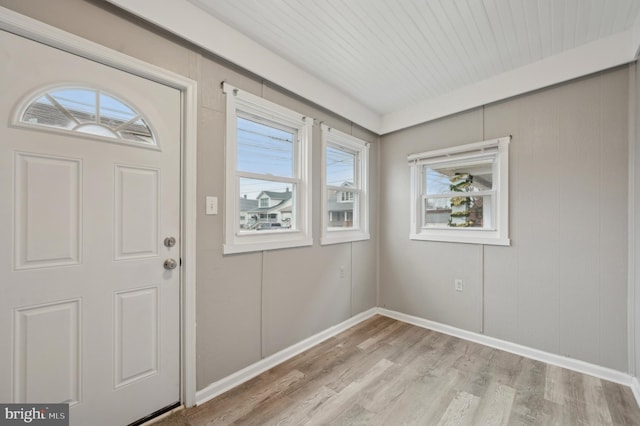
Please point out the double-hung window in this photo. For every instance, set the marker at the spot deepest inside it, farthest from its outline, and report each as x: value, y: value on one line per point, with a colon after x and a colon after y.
x: 267, y: 199
x: 345, y: 205
x: 460, y: 194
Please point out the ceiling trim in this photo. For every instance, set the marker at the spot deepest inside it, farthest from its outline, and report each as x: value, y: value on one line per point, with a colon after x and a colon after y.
x: 193, y: 24
x: 596, y: 56
x: 188, y: 21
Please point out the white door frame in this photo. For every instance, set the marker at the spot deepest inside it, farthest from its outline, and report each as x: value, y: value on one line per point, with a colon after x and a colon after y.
x: 21, y: 25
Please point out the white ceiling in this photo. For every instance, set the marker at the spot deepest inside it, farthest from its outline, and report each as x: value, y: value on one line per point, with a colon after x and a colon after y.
x: 389, y: 64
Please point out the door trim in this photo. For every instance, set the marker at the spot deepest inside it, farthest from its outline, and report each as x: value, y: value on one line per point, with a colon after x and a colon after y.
x: 24, y: 26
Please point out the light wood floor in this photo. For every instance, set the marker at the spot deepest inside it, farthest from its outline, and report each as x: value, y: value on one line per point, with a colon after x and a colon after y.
x: 386, y: 372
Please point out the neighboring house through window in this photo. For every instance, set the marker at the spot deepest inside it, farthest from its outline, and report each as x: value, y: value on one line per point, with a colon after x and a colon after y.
x: 268, y: 175
x: 345, y: 180
x: 274, y: 208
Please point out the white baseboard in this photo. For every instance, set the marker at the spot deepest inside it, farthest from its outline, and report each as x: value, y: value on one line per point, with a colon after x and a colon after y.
x: 536, y: 354
x: 241, y: 376
x: 247, y: 373
x: 635, y: 388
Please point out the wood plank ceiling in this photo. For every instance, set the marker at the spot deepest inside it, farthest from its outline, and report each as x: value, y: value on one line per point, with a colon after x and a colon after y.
x: 389, y: 55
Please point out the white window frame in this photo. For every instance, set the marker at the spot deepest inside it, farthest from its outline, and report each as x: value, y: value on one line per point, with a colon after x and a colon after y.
x: 496, y: 151
x: 342, y: 141
x: 237, y: 240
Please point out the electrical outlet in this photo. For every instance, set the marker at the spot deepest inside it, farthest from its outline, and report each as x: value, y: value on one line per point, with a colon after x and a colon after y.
x: 459, y: 285
x: 342, y: 272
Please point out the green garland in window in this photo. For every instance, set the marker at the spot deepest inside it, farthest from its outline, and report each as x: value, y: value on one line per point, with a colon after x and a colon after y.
x: 460, y: 182
x: 464, y: 224
x: 458, y: 201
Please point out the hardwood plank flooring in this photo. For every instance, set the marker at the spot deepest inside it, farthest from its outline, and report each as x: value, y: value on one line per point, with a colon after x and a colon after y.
x: 386, y: 372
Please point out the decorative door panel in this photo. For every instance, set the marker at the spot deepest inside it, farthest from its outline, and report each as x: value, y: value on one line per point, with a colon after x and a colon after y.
x: 137, y: 215
x: 47, y: 353
x: 48, y: 214
x: 136, y: 338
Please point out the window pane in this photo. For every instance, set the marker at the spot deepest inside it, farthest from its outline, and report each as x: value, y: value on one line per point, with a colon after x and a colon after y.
x: 340, y: 209
x: 458, y: 212
x: 341, y: 167
x: 44, y: 112
x: 114, y: 112
x: 465, y: 178
x: 264, y: 149
x: 266, y: 205
x: 80, y: 103
x: 437, y: 181
x: 136, y: 131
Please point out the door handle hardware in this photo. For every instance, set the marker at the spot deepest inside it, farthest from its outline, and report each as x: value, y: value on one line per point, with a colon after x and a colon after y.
x: 170, y: 264
x: 169, y: 242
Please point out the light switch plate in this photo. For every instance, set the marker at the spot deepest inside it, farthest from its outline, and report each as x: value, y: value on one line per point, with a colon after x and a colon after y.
x: 212, y: 205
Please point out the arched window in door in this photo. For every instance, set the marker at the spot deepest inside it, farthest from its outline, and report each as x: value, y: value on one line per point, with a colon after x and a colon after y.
x: 89, y: 111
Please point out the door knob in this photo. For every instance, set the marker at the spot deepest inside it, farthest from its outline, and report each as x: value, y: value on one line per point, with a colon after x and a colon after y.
x: 170, y: 264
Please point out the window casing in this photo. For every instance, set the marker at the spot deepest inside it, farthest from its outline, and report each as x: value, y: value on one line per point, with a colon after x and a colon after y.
x: 461, y: 194
x: 345, y: 181
x: 268, y: 172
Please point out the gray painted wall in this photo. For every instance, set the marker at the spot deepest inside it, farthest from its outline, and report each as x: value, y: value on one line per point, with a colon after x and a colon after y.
x: 562, y: 285
x: 248, y: 305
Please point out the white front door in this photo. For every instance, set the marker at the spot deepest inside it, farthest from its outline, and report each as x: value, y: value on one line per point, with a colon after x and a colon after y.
x: 89, y: 191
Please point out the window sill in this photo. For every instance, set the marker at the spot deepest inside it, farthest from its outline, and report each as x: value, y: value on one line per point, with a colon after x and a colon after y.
x: 460, y: 236
x: 337, y: 237
x: 249, y: 246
